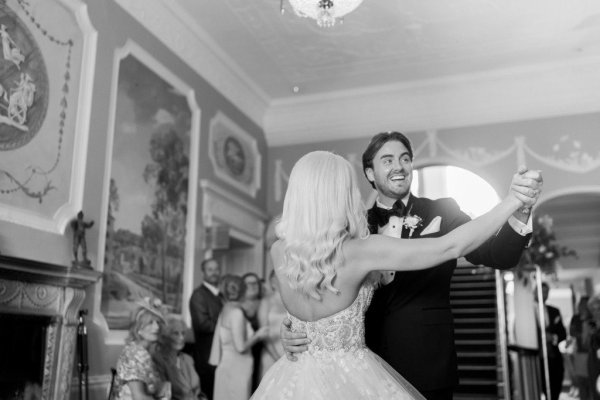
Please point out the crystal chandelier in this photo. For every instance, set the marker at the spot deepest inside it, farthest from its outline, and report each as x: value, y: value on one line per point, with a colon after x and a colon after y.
x: 326, y: 12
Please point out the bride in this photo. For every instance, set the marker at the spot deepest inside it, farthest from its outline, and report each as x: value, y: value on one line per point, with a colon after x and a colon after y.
x: 326, y: 263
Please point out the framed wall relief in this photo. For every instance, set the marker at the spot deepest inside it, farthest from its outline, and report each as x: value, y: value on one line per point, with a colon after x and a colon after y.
x: 234, y: 155
x: 150, y: 189
x: 46, y: 76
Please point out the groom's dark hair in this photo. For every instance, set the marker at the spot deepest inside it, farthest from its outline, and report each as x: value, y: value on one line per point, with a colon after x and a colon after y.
x: 377, y: 143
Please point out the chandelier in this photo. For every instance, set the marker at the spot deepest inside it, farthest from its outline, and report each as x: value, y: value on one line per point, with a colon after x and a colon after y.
x: 326, y: 12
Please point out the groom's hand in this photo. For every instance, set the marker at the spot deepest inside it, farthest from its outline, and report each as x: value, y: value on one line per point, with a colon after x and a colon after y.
x: 527, y: 186
x: 293, y: 342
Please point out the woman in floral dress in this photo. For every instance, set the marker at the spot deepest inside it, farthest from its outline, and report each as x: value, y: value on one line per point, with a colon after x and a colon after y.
x: 137, y: 377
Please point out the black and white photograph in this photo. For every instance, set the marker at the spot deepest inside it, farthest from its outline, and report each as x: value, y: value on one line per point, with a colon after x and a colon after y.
x: 300, y: 200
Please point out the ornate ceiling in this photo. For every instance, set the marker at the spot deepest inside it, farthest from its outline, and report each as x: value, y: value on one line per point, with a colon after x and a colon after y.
x: 407, y: 64
x: 386, y: 42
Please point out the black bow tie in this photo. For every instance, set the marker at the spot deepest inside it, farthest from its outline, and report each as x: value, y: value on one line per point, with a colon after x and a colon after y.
x: 382, y: 215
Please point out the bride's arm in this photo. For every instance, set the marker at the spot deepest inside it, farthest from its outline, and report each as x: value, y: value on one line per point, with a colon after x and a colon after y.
x: 379, y: 252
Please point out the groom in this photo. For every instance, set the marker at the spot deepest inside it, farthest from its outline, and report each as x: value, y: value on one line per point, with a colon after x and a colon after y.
x: 409, y: 323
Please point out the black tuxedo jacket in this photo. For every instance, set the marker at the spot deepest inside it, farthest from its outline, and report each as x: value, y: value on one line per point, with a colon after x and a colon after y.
x: 409, y: 323
x: 204, y: 309
x: 555, y: 327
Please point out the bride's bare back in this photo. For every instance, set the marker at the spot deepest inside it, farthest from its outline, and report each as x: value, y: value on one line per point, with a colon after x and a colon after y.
x: 376, y: 252
x: 309, y: 309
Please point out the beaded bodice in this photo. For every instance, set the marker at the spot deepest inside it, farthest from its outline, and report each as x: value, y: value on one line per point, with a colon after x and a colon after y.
x: 342, y: 331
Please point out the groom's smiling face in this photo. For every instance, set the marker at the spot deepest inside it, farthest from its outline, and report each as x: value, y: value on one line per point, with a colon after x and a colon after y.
x: 392, y: 172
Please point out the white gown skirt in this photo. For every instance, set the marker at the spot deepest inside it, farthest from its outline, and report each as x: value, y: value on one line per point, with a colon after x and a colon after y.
x: 331, y: 375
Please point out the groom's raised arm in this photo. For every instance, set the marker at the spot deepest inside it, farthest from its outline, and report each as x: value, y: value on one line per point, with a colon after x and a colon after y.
x: 503, y: 250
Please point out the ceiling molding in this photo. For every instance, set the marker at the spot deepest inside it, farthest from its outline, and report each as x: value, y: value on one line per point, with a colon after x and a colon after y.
x: 171, y: 25
x: 524, y: 93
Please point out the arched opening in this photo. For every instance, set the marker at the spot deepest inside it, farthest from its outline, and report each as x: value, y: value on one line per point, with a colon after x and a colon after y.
x: 473, y: 194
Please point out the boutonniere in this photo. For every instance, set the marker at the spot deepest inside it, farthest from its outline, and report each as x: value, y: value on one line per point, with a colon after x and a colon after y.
x: 412, y: 222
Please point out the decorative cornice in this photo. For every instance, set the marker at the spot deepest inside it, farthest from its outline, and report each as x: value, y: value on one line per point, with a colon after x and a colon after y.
x: 171, y: 25
x: 541, y: 91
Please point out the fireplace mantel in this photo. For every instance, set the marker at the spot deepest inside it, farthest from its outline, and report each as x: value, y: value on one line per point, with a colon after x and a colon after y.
x: 37, y: 288
x: 49, y: 274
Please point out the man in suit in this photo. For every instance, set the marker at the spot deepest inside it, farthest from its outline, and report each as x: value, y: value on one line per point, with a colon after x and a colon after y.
x: 205, y: 305
x: 409, y: 323
x: 555, y: 333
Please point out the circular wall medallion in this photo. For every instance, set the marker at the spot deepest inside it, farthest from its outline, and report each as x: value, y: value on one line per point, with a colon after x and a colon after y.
x: 23, y: 83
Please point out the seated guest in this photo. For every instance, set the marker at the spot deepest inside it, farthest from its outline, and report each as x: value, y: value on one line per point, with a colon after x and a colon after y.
x: 233, y: 339
x: 174, y: 365
x: 137, y: 376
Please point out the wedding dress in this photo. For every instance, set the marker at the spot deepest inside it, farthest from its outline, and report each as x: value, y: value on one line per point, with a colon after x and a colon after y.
x: 337, y: 364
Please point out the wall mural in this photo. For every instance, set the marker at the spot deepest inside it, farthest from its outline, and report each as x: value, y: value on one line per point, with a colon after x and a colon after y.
x: 148, y: 236
x: 48, y: 49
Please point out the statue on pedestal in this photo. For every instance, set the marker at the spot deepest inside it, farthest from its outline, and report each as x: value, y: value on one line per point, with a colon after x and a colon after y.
x: 79, y: 227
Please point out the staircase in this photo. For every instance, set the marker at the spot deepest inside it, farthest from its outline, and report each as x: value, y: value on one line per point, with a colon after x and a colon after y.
x: 473, y: 301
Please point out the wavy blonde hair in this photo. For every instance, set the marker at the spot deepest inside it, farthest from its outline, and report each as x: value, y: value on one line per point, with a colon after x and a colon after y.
x: 322, y: 209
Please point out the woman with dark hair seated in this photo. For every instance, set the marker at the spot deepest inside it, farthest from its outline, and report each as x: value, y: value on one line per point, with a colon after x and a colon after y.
x: 137, y: 376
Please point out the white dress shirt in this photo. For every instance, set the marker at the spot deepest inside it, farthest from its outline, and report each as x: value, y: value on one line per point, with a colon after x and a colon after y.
x: 213, y: 289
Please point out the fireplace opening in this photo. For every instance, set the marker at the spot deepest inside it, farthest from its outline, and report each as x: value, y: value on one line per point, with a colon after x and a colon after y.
x: 22, y: 352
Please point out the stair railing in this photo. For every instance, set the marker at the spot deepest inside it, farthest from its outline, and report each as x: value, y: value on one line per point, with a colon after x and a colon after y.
x: 502, y: 335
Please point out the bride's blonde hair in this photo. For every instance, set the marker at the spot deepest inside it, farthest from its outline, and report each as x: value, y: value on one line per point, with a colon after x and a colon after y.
x: 322, y: 208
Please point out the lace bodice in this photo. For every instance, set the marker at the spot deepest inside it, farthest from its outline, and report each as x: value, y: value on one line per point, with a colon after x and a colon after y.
x: 337, y: 365
x: 342, y: 331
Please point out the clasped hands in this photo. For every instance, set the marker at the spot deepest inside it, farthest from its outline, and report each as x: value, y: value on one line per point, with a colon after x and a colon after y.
x: 526, y: 185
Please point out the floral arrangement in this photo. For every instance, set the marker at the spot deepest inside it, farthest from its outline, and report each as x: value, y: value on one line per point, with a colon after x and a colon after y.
x: 544, y: 250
